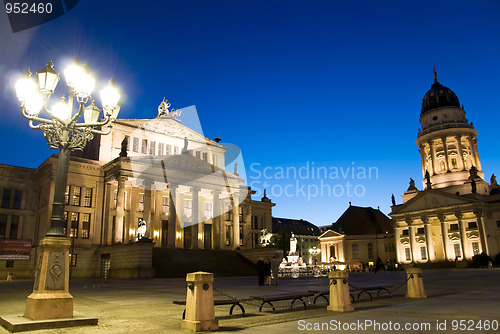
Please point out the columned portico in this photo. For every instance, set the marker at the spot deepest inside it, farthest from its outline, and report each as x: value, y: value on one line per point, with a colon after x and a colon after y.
x: 173, y: 224
x: 236, y: 220
x: 195, y: 219
x: 120, y: 210
x: 411, y: 234
x: 463, y: 235
x: 482, y: 236
x: 428, y: 239
x: 217, y: 219
x: 147, y: 209
x: 444, y: 234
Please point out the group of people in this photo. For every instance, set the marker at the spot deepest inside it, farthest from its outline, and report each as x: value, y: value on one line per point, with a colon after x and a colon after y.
x: 266, y: 269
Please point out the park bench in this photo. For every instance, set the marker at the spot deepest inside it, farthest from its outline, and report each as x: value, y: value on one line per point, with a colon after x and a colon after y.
x: 284, y: 296
x: 233, y: 302
x: 352, y: 289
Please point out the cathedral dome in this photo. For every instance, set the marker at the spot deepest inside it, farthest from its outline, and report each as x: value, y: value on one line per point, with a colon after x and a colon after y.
x: 438, y: 96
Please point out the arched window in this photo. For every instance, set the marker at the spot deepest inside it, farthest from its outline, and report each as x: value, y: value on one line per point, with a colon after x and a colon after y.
x: 370, y: 250
x: 355, y: 251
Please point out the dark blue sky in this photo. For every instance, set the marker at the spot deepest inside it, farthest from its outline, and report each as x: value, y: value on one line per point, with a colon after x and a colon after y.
x: 331, y: 84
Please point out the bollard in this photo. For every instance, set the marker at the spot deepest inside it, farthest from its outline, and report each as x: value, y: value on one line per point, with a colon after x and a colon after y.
x: 200, y: 312
x: 340, y: 299
x: 415, y: 284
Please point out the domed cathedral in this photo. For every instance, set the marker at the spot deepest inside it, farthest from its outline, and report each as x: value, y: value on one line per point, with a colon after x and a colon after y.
x: 457, y: 214
x: 447, y: 142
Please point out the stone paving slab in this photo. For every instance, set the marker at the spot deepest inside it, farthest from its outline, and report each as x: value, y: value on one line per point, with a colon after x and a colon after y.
x: 145, y: 306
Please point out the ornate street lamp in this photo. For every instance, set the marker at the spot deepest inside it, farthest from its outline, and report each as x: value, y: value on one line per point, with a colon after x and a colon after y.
x: 62, y: 131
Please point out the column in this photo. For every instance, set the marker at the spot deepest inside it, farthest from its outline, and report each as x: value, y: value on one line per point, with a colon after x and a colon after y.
x: 108, y: 221
x: 120, y: 210
x: 147, y: 209
x: 397, y: 237
x: 236, y: 220
x: 446, y: 162
x: 412, y: 239
x: 473, y: 153
x: 482, y: 235
x: 476, y: 154
x: 444, y: 233
x: 323, y: 253
x: 460, y: 153
x: 433, y: 156
x: 428, y: 239
x: 422, y: 159
x: 216, y: 221
x: 195, y: 240
x: 463, y: 234
x: 172, y: 215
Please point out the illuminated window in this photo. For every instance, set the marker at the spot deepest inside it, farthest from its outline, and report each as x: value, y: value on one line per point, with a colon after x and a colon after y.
x: 66, y: 195
x: 242, y: 238
x: 475, y: 248
x: 87, y: 198
x: 188, y: 207
x: 423, y: 253
x: 85, y: 225
x: 152, y: 148
x: 75, y: 217
x: 408, y: 254
x: 164, y: 205
x: 355, y: 251
x: 141, y: 202
x: 72, y: 259
x: 228, y: 235
x: 458, y: 251
x: 65, y: 222
x: 77, y: 194
x: 135, y: 145
x: 208, y: 210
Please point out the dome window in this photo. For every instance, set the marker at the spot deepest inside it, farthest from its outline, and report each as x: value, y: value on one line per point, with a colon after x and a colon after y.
x: 434, y: 118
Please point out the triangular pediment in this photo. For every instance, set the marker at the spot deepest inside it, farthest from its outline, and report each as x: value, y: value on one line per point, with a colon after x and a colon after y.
x: 330, y: 234
x: 431, y: 199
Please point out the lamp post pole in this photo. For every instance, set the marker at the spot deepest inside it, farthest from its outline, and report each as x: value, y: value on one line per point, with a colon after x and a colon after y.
x: 51, y: 298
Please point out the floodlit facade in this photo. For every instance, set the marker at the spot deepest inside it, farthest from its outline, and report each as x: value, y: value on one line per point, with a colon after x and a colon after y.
x: 149, y: 183
x: 457, y: 214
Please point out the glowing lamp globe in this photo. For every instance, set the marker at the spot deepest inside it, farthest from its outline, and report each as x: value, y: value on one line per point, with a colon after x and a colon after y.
x: 47, y: 78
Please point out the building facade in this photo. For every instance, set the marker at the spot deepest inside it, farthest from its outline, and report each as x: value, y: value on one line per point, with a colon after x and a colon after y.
x: 360, y: 235
x: 150, y: 181
x: 457, y: 214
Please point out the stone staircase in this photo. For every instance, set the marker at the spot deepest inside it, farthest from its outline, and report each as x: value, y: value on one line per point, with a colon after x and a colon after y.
x: 176, y: 262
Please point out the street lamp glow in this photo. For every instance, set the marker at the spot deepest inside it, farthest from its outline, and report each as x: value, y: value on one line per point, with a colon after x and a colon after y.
x: 61, y: 110
x: 33, y: 104
x: 109, y: 97
x: 25, y: 87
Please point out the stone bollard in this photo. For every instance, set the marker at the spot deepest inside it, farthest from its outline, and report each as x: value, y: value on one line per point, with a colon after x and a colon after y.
x: 340, y: 299
x: 415, y: 284
x: 200, y: 312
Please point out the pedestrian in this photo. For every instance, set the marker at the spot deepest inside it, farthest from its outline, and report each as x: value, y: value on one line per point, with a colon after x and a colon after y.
x: 275, y: 268
x: 267, y: 272
x: 261, y: 267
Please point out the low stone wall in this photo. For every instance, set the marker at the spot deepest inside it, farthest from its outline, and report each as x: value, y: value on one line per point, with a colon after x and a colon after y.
x: 134, y: 260
x: 255, y: 254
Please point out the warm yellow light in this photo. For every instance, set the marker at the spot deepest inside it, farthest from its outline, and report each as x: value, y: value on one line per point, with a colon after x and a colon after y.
x: 131, y: 232
x: 110, y: 96
x: 200, y: 236
x: 342, y: 266
x: 156, y: 234
x: 178, y: 235
x: 61, y: 110
x: 25, y: 87
x: 370, y: 263
x: 33, y: 104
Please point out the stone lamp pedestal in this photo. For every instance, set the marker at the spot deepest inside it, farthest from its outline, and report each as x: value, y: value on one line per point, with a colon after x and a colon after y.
x: 51, y: 298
